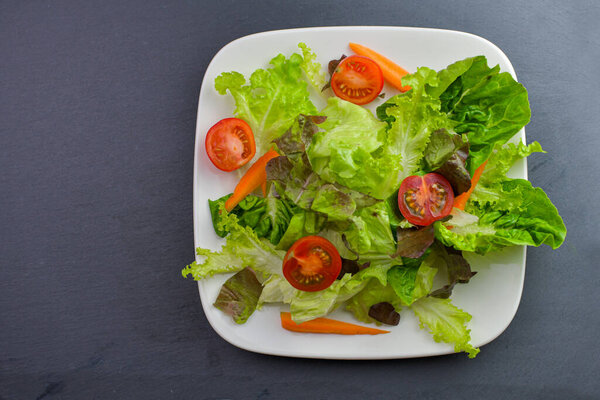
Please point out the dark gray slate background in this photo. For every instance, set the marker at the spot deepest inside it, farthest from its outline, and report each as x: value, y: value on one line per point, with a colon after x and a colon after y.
x: 98, y: 105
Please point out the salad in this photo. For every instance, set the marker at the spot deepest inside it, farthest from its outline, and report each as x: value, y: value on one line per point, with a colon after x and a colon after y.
x: 340, y: 207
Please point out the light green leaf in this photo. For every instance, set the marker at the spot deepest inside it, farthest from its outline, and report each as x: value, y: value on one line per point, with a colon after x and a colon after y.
x: 309, y: 305
x: 413, y: 117
x: 373, y: 293
x: 271, y: 100
x: 305, y: 306
x: 276, y: 289
x: 311, y: 68
x: 342, y: 151
x: 269, y: 216
x: 242, y: 248
x: 445, y: 322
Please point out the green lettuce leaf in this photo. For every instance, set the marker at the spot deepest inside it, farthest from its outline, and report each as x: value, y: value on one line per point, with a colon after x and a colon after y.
x: 239, y: 295
x: 311, y: 68
x: 337, y: 205
x: 402, y: 279
x: 487, y: 105
x: 424, y: 280
x: 303, y: 223
x: 523, y: 216
x: 305, y: 306
x: 343, y: 151
x: 504, y: 212
x: 402, y: 287
x: 373, y: 293
x: 369, y: 234
x: 242, y: 248
x: 502, y: 159
x: 413, y: 116
x: 445, y: 322
x: 276, y: 289
x: 413, y: 279
x: 488, y: 189
x: 272, y: 98
x: 442, y: 145
x: 269, y: 216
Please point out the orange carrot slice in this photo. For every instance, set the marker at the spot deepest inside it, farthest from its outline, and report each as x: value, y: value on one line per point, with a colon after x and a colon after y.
x: 326, y: 325
x: 252, y: 179
x: 460, y: 201
x: 392, y: 72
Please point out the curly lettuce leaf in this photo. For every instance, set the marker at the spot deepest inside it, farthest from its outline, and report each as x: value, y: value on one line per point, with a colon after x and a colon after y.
x: 271, y: 99
x: 305, y: 306
x: 337, y: 205
x: 412, y: 116
x: 311, y: 68
x: 502, y: 159
x: 239, y: 295
x: 486, y: 104
x: 498, y: 164
x: 446, y: 322
x: 404, y: 285
x: 369, y: 234
x: 242, y: 248
x: 343, y: 151
x: 276, y: 289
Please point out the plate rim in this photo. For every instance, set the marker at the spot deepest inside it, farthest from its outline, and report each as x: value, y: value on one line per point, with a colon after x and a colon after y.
x: 207, y: 305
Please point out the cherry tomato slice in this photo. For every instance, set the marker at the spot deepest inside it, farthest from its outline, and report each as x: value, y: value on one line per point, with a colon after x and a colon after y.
x: 230, y: 144
x: 425, y: 199
x: 312, y: 264
x: 357, y: 79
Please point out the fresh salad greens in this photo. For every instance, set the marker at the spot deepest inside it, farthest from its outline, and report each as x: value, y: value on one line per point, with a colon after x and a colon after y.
x: 338, y: 176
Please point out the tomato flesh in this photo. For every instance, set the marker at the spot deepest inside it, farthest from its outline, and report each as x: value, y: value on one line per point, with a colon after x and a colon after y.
x: 312, y: 264
x: 357, y: 79
x: 425, y: 199
x: 230, y: 144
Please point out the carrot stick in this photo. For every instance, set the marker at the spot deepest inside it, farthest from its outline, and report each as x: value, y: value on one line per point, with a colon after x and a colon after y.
x: 263, y: 188
x: 252, y: 179
x: 326, y: 325
x: 392, y: 72
x: 460, y: 201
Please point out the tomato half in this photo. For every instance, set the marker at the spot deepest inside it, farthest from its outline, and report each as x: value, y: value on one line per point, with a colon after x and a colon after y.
x: 230, y: 144
x: 312, y: 264
x: 357, y: 79
x: 425, y: 199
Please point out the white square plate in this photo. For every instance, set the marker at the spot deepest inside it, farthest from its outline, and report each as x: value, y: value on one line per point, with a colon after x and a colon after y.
x: 492, y: 297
